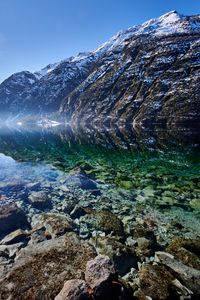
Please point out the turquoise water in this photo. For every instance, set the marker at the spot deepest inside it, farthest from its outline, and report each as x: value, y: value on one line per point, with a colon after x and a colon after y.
x: 135, y: 183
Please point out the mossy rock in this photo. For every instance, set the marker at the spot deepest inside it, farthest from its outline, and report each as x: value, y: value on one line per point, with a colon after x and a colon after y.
x: 186, y: 250
x: 195, y: 204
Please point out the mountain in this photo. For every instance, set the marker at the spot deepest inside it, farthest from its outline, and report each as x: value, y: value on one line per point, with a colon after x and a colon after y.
x: 146, y: 77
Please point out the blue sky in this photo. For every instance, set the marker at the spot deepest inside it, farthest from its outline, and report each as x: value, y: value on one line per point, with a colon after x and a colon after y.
x: 34, y: 33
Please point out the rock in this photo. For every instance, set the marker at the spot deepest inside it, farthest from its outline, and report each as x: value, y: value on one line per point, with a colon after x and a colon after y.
x: 188, y: 275
x: 39, y: 200
x: 146, y: 241
x: 74, y: 289
x: 104, y: 284
x: 195, y: 204
x: 155, y: 282
x: 77, y: 177
x: 186, y: 250
x: 78, y: 212
x: 12, y: 218
x: 144, y: 247
x: 11, y: 250
x: 56, y: 224
x: 99, y: 275
x: 33, y: 186
x: 122, y: 256
x: 99, y: 271
x: 40, y: 270
x: 105, y: 221
x: 38, y: 235
x: 14, y: 237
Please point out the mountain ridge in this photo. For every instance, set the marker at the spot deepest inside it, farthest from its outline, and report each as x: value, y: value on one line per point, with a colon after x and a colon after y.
x: 145, y: 77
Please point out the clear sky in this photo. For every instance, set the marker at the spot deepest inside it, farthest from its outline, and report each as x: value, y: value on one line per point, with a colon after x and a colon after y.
x: 34, y: 33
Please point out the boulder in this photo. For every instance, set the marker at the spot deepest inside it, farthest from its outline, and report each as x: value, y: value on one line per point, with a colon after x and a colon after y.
x: 122, y: 256
x: 14, y: 237
x: 155, y: 282
x: 74, y: 290
x: 12, y: 218
x: 99, y: 271
x: 40, y: 270
x: 55, y: 224
x: 188, y: 275
x: 39, y: 200
x: 103, y: 220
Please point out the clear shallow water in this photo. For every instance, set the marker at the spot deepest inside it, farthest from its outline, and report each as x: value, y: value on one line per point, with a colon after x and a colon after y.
x: 134, y: 183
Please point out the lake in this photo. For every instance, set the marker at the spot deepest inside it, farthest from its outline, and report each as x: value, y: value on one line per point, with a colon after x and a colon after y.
x: 136, y: 179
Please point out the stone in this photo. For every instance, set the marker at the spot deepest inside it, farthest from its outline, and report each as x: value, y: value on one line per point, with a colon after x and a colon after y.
x: 144, y: 247
x: 103, y: 280
x: 56, y: 224
x: 188, y: 275
x: 195, y: 204
x: 40, y: 270
x: 155, y: 282
x: 78, y: 212
x: 74, y: 289
x: 186, y: 250
x: 12, y: 218
x: 39, y: 200
x: 122, y: 256
x: 14, y: 237
x: 105, y: 221
x: 99, y: 271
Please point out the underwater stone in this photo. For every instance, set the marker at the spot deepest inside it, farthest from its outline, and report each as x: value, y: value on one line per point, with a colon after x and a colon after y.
x: 39, y: 200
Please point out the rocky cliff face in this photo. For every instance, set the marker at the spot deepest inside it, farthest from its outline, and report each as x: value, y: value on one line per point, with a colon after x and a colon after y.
x: 146, y: 77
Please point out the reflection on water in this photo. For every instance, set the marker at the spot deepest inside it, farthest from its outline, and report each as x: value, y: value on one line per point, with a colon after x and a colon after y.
x: 129, y: 175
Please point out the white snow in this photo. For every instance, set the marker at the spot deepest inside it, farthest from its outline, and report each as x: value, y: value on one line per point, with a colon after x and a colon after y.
x: 169, y: 23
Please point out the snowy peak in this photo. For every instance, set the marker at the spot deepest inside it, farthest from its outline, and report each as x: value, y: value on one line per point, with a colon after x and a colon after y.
x: 168, y: 24
x: 46, y: 70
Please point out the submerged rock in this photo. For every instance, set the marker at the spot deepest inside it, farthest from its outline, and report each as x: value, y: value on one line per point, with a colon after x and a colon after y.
x: 40, y: 270
x: 55, y: 224
x: 12, y: 218
x: 155, y: 282
x: 39, y: 200
x: 103, y: 220
x: 188, y: 275
x: 122, y: 256
x: 186, y: 250
x: 14, y: 237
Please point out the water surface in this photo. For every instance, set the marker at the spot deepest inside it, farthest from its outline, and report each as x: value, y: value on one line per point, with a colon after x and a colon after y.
x: 134, y: 180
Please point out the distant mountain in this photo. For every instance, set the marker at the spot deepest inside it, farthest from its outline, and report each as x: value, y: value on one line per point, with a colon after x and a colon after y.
x: 146, y: 75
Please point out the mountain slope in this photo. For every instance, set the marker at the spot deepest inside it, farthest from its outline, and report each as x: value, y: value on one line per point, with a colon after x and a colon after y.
x: 146, y: 77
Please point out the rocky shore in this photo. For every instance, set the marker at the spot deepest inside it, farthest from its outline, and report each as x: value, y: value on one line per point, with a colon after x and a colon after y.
x: 73, y: 242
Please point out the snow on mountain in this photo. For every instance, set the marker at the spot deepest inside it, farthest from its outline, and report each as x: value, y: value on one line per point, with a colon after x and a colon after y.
x: 46, y: 89
x: 169, y: 23
x: 44, y: 71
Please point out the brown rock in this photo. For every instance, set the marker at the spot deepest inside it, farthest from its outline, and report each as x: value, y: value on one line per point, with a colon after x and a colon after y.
x: 104, y: 221
x: 186, y: 250
x: 99, y: 270
x: 40, y: 270
x: 11, y: 218
x: 74, y: 289
x: 14, y: 237
x: 56, y: 224
x: 155, y: 282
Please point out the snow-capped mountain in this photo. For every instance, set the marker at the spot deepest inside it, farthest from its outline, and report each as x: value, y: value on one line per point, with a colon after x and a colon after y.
x: 144, y: 75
